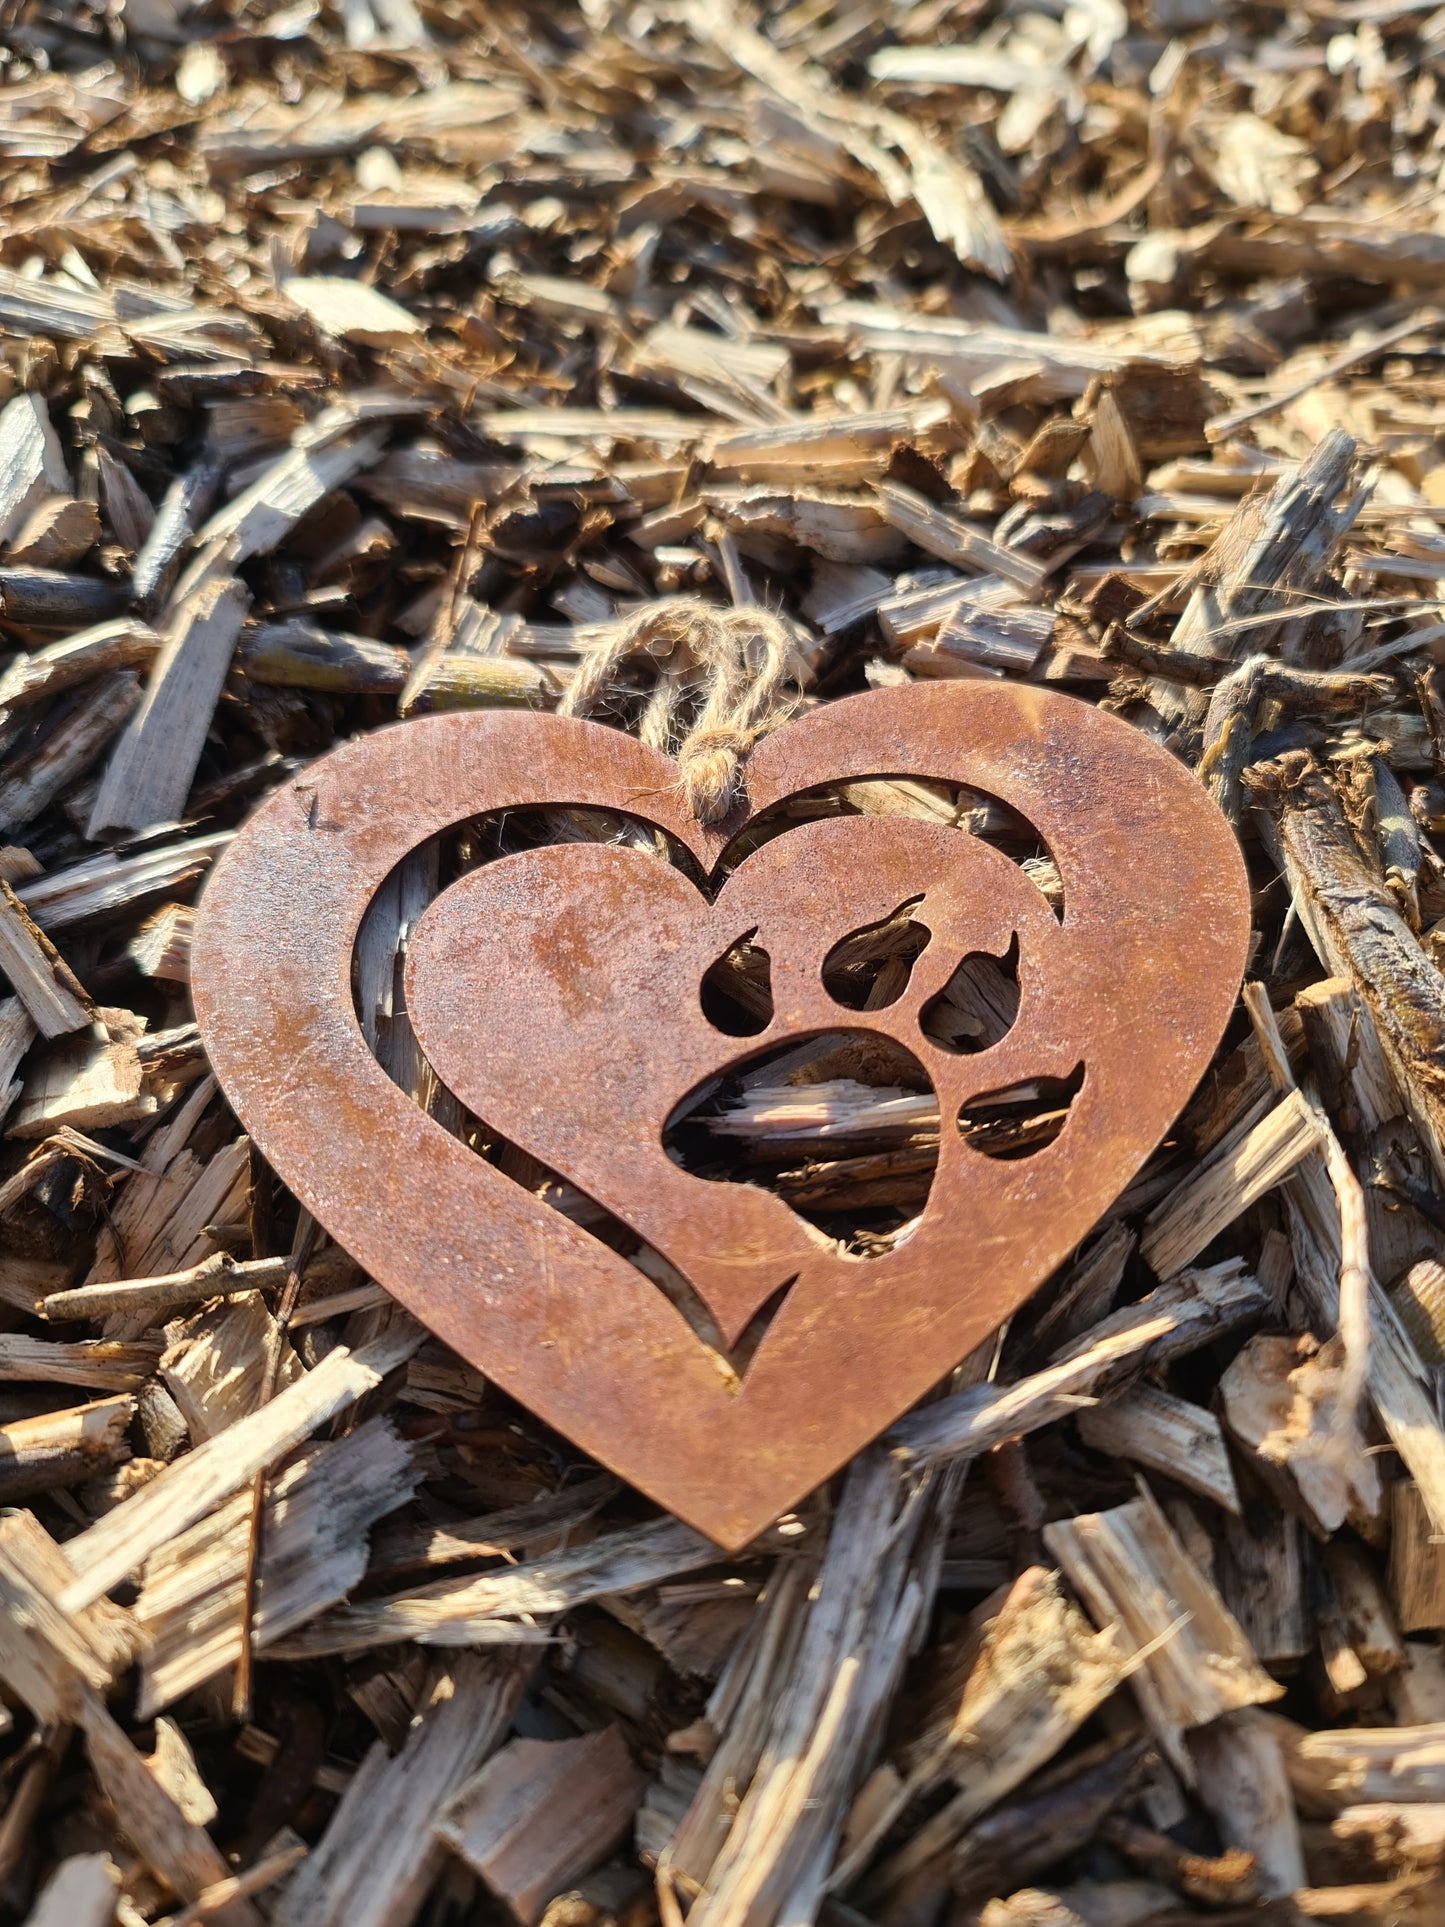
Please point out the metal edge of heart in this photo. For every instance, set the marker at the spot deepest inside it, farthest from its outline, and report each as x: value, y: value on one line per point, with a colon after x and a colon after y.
x: 258, y: 917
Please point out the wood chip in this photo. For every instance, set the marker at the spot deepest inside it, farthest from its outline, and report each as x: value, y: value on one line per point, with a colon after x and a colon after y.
x: 542, y: 1812
x: 40, y: 978
x: 1195, y: 1664
x: 149, y: 775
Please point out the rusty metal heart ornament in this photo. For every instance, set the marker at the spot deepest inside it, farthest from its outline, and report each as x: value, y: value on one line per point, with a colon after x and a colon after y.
x: 557, y: 993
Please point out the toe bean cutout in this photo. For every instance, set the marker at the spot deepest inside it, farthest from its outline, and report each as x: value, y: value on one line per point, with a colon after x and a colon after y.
x: 977, y: 1007
x: 870, y: 967
x: 737, y: 991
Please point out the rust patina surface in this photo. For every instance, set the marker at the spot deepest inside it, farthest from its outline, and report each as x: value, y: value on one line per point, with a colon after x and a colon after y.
x: 556, y: 992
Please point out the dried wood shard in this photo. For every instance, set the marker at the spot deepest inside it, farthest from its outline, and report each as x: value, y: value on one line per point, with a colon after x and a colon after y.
x: 79, y: 732
x: 190, y: 1604
x: 90, y: 1084
x: 496, y: 1607
x: 1194, y: 1663
x: 32, y: 464
x: 151, y: 769
x: 121, y: 1541
x: 1168, y: 1435
x: 542, y: 1812
x: 350, y: 309
x: 1256, y: 1157
x: 81, y: 1892
x: 1003, y: 1726
x: 39, y: 976
x: 359, y: 1877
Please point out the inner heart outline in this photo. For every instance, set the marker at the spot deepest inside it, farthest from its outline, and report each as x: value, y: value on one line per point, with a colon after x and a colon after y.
x: 1157, y: 910
x: 587, y: 953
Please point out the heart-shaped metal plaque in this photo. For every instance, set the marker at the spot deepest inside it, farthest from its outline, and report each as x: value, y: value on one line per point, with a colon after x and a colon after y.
x: 559, y: 994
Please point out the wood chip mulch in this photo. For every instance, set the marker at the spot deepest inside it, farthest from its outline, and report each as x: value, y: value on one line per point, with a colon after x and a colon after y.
x: 365, y: 358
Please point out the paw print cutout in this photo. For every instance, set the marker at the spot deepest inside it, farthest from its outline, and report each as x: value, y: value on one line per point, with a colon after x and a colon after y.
x: 579, y: 998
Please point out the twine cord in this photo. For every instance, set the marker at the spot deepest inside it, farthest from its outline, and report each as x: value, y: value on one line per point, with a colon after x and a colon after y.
x: 729, y: 667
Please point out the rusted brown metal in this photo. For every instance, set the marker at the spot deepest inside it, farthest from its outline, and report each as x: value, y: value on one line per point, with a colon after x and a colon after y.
x: 556, y: 992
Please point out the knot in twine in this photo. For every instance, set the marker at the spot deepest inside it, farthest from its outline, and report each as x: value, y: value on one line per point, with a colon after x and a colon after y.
x: 726, y: 669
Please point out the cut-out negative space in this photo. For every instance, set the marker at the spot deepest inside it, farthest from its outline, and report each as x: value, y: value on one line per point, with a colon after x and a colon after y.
x: 737, y: 990
x: 870, y: 968
x: 841, y: 1126
x: 557, y: 993
x: 1021, y: 1120
x: 978, y: 1006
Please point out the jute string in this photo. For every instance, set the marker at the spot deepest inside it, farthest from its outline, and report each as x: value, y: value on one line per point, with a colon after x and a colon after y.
x: 727, y: 667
